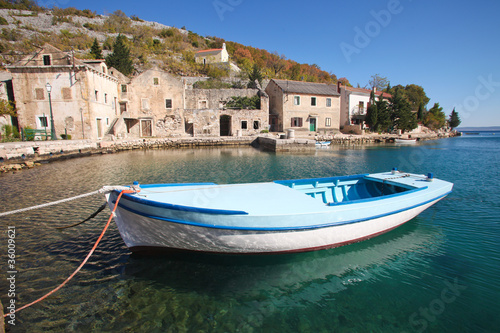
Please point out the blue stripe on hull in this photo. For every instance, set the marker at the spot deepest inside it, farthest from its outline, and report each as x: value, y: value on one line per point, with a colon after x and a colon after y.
x: 278, y: 228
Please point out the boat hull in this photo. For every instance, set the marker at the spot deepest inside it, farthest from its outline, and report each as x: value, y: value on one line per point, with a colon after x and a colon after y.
x: 145, y: 234
x: 275, y: 217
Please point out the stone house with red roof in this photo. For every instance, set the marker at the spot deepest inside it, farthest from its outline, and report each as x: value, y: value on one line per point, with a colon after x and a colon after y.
x: 354, y: 104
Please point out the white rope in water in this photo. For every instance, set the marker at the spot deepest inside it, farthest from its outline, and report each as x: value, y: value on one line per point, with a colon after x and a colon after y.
x: 103, y: 190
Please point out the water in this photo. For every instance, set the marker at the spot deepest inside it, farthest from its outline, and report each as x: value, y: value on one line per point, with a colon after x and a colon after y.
x: 437, y: 273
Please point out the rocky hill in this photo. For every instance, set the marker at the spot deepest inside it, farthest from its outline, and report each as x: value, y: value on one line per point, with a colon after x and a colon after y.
x: 150, y: 43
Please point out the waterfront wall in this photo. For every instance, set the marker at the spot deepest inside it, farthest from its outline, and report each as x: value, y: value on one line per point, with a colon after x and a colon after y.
x: 20, y: 155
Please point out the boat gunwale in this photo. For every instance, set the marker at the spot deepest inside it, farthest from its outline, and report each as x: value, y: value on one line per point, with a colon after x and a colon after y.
x: 292, y: 182
x: 278, y: 229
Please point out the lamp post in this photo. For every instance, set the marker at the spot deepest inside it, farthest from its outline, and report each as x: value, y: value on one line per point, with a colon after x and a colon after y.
x: 52, y: 128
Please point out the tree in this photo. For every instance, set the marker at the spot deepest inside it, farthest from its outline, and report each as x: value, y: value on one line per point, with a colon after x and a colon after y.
x: 435, y: 118
x: 120, y: 58
x: 95, y: 50
x: 384, y: 123
x: 7, y: 108
x: 255, y: 75
x: 277, y: 63
x: 371, y: 118
x: 454, y: 120
x: 402, y: 116
x: 420, y: 113
x: 379, y: 82
x: 416, y: 96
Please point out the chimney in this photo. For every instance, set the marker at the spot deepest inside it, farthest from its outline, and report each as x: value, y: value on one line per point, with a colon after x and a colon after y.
x: 338, y: 86
x: 223, y: 46
x: 375, y: 90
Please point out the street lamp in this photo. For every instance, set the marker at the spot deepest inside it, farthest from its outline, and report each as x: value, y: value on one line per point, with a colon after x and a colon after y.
x: 52, y: 128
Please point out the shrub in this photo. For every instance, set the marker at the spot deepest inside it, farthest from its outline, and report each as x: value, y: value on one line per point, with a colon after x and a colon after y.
x: 211, y: 84
x: 3, y: 21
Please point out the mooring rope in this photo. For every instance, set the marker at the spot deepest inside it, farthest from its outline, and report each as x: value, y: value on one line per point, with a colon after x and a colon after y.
x: 84, y: 261
x: 103, y: 190
x: 100, y: 209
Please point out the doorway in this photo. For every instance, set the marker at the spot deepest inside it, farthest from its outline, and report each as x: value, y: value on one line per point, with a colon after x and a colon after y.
x: 312, y: 124
x: 146, y: 128
x: 225, y: 125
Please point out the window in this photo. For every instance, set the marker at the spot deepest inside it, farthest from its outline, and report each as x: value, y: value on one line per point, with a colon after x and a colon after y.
x: 105, y: 98
x: 46, y: 60
x: 256, y: 124
x: 66, y: 93
x: 328, y: 122
x: 43, y: 121
x: 96, y: 95
x: 156, y: 81
x: 361, y: 106
x: 39, y: 93
x: 328, y: 102
x: 244, y: 124
x: 202, y: 104
x: 168, y: 103
x: 123, y: 107
x: 124, y: 88
x: 145, y: 103
x: 296, y: 100
x: 104, y: 69
x: 107, y: 121
x: 313, y: 101
x: 296, y: 122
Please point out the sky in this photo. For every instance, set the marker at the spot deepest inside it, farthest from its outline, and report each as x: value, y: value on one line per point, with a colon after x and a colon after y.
x: 450, y: 48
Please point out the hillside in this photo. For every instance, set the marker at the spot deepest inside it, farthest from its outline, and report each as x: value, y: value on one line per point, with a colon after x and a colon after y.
x: 150, y: 43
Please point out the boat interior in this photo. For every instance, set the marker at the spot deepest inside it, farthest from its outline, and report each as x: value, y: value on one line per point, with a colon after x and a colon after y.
x: 337, y: 190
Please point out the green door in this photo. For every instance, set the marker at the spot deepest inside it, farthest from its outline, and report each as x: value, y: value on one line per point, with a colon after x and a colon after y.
x: 312, y: 124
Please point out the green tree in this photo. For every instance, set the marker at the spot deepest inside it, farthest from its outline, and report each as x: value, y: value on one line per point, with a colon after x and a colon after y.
x: 435, y: 118
x: 420, y: 112
x: 371, y: 118
x: 120, y: 58
x: 454, y: 120
x: 384, y: 123
x: 96, y: 51
x: 401, y: 115
x: 255, y: 75
x: 416, y: 96
x: 7, y: 108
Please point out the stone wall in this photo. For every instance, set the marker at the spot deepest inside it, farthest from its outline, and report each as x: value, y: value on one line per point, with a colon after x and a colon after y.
x: 214, y: 98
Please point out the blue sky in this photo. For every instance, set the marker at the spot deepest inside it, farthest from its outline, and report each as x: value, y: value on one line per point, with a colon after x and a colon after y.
x: 450, y: 48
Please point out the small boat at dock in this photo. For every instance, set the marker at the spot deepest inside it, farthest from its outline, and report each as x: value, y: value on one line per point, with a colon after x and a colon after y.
x: 322, y: 144
x: 405, y: 141
x: 272, y: 217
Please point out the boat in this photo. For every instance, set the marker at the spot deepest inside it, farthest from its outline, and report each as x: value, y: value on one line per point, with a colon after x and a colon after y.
x: 271, y: 217
x: 320, y: 144
x: 405, y: 141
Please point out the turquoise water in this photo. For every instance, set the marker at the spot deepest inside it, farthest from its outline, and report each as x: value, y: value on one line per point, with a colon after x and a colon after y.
x: 437, y: 273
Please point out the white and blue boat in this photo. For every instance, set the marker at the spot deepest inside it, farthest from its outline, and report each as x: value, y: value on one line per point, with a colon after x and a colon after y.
x: 272, y: 217
x: 322, y: 144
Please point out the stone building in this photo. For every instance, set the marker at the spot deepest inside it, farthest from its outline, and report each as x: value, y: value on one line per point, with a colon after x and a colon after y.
x: 303, y: 106
x: 88, y: 100
x: 80, y: 97
x: 151, y: 104
x: 7, y: 95
x: 354, y: 104
x: 212, y: 56
x: 206, y: 113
